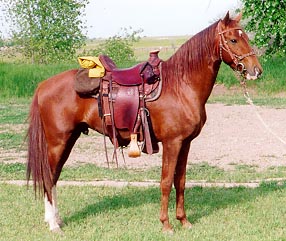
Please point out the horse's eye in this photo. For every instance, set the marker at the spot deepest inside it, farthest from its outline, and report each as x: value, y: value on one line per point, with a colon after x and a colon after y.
x: 233, y: 41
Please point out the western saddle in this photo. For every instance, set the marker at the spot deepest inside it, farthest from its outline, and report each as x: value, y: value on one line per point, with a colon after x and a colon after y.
x: 121, y: 101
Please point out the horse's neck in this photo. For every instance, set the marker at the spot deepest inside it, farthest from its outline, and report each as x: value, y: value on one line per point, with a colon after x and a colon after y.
x: 195, y: 65
x: 205, y: 80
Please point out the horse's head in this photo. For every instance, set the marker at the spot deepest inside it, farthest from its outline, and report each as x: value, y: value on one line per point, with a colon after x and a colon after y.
x: 234, y: 48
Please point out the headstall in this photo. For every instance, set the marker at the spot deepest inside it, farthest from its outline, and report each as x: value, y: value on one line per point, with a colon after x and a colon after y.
x: 224, y: 46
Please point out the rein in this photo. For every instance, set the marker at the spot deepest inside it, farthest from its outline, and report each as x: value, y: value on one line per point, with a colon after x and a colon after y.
x: 255, y: 109
x: 235, y: 58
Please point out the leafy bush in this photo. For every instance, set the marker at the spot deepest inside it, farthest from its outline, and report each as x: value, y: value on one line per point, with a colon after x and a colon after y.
x: 119, y: 47
x: 267, y: 20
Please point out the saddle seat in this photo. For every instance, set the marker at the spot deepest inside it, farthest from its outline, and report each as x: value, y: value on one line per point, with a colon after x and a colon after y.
x: 129, y: 76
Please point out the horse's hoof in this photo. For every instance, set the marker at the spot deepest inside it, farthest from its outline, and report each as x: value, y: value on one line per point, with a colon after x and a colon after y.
x: 60, y: 222
x: 57, y: 231
x: 168, y: 231
x: 187, y: 225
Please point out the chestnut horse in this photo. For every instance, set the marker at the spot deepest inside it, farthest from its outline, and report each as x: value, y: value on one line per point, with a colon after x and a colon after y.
x: 59, y: 115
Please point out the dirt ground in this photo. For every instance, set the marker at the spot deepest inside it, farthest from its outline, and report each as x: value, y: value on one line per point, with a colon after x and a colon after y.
x: 232, y: 135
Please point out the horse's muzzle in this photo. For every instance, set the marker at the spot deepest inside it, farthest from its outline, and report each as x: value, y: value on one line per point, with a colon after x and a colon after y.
x: 255, y: 75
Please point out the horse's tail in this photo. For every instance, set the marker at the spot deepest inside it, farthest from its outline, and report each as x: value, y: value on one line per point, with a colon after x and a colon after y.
x: 38, y: 164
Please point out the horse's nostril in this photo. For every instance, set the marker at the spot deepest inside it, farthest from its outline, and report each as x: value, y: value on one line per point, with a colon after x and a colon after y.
x: 257, y: 71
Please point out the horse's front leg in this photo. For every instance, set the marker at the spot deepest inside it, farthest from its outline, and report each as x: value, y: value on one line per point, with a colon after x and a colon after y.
x: 52, y: 216
x: 179, y: 182
x: 169, y: 162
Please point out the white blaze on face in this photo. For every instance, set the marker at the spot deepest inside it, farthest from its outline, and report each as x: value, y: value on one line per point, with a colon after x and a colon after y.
x: 248, y: 76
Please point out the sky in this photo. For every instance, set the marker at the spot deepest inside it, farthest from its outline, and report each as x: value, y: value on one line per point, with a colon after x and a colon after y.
x: 105, y: 18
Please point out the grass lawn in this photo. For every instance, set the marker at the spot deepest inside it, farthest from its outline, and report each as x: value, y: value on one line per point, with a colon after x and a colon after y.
x: 195, y: 172
x: 93, y: 213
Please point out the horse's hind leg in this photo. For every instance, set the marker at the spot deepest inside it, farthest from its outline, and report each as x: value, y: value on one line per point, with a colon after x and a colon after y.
x: 58, y: 154
x: 52, y: 216
x: 179, y: 183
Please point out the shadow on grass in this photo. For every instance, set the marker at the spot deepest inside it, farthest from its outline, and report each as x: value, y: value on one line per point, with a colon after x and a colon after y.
x: 127, y: 198
x: 199, y: 202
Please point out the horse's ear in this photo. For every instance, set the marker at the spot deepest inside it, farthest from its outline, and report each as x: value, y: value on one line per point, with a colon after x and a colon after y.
x: 238, y: 17
x: 226, y: 19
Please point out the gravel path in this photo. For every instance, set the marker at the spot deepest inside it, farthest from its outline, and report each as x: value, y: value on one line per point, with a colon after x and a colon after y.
x: 232, y: 135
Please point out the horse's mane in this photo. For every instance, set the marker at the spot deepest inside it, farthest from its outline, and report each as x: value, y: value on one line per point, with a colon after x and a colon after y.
x: 189, y: 58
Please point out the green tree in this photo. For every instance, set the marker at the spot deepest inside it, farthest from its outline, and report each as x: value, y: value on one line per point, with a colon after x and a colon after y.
x: 1, y: 42
x: 120, y: 47
x: 47, y: 30
x: 267, y: 19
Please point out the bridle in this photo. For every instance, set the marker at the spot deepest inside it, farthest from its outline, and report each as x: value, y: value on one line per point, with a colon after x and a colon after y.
x: 239, y: 66
x: 240, y: 70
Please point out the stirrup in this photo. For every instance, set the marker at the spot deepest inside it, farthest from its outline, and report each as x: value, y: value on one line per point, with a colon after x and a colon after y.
x: 134, y: 150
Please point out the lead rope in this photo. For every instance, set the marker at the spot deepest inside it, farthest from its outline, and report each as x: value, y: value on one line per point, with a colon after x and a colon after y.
x: 255, y: 109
